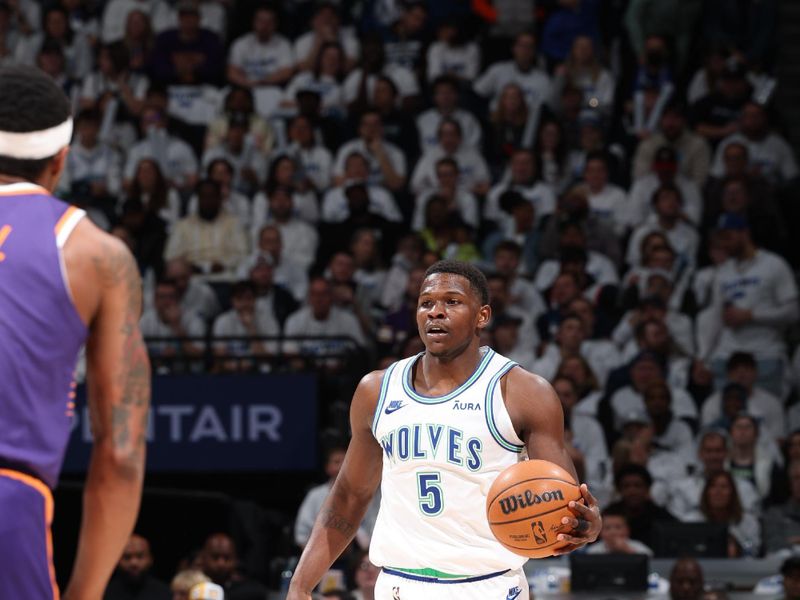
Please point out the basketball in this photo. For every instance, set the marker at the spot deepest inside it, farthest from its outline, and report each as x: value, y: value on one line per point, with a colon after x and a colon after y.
x: 525, y: 506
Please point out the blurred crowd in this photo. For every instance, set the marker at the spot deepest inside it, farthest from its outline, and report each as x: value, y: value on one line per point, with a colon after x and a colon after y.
x: 616, y: 167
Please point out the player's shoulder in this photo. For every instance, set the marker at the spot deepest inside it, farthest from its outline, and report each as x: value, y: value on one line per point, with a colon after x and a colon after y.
x: 370, y: 384
x: 521, y: 387
x: 523, y: 381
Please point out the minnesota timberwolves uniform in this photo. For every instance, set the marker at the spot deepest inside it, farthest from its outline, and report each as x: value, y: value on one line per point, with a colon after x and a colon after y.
x: 440, y: 456
x: 40, y: 336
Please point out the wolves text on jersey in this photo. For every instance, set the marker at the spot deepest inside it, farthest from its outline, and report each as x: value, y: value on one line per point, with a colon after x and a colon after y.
x: 433, y: 442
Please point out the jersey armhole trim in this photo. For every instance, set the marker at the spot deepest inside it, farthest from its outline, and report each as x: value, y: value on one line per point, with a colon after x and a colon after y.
x: 63, y: 229
x: 382, y: 397
x: 489, y: 412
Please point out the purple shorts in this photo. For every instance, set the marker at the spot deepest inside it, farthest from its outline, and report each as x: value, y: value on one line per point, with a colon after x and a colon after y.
x: 26, y: 546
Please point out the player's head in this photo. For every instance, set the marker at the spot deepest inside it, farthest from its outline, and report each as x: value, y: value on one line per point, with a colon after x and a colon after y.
x: 218, y: 558
x: 35, y: 126
x: 136, y: 559
x: 453, y: 307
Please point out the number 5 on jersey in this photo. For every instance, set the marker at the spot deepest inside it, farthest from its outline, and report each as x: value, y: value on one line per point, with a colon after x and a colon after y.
x: 430, y: 493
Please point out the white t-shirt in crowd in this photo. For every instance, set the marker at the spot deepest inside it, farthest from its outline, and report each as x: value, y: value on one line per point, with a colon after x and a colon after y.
x: 396, y: 158
x: 772, y: 156
x: 335, y: 207
x: 535, y: 83
x: 329, y: 90
x: 338, y: 323
x: 627, y: 400
x: 683, y: 238
x: 461, y: 61
x: 466, y: 203
x: 347, y: 39
x: 316, y: 162
x: 258, y: 59
x: 428, y: 128
x: 540, y: 194
x: 761, y: 404
x: 229, y: 324
x: 598, y: 265
x: 175, y: 157
x: 610, y: 205
x: 472, y: 168
x: 403, y: 78
x: 640, y: 198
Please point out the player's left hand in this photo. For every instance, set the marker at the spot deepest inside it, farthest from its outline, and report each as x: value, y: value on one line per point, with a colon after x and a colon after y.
x: 586, y: 524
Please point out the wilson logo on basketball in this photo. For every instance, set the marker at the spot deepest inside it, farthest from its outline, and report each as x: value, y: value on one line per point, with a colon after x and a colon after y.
x: 514, y: 503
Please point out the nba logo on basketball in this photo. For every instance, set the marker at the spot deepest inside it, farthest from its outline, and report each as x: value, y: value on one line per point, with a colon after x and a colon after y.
x: 538, y: 532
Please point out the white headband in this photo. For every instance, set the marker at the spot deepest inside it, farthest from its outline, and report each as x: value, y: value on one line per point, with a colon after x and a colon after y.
x: 35, y: 145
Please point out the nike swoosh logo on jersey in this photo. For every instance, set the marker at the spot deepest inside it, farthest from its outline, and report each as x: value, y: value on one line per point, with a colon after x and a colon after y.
x: 394, y: 405
x: 512, y: 594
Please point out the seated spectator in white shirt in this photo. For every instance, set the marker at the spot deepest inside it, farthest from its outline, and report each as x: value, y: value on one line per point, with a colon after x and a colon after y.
x: 319, y: 317
x: 652, y: 306
x: 335, y: 205
x: 453, y: 53
x: 770, y: 154
x: 522, y: 70
x: 115, y: 15
x: 458, y: 199
x: 742, y: 369
x: 324, y: 79
x: 359, y: 87
x: 243, y: 321
x: 615, y: 537
x: 653, y: 335
x: 387, y: 164
x: 195, y: 295
x: 213, y: 241
x: 276, y: 207
x: 56, y: 27
x: 664, y: 171
x: 325, y: 27
x: 167, y: 319
x: 506, y: 341
x: 667, y: 201
x: 288, y: 272
x: 286, y: 172
x: 92, y: 177
x: 521, y: 177
x: 502, y: 307
x: 151, y: 188
x: 239, y: 101
x: 259, y: 269
x: 589, y: 390
x: 446, y: 105
x: 584, y: 71
x: 175, y: 157
x: 221, y: 171
x: 473, y: 170
x: 670, y: 434
x: 754, y: 301
x: 315, y: 160
x: 682, y: 496
x: 606, y: 201
x: 263, y: 56
x: 751, y: 459
x: 507, y: 261
x: 249, y: 164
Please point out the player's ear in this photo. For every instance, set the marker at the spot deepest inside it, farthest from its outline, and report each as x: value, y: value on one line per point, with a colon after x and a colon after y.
x: 484, y: 316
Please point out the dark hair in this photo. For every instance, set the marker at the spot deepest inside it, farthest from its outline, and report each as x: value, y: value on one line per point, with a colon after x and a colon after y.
x: 445, y: 80
x: 477, y: 280
x: 218, y: 161
x: 791, y: 566
x: 635, y: 470
x: 449, y: 121
x: 318, y: 62
x: 242, y: 287
x: 29, y: 101
x: 92, y: 115
x: 204, y: 183
x: 158, y: 199
x: 447, y: 160
x: 734, y: 508
x: 508, y: 246
x: 118, y: 54
x: 600, y: 155
x: 740, y: 359
x: 666, y: 187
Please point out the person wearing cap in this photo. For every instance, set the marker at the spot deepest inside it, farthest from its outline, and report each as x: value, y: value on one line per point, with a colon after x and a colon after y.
x: 770, y: 155
x: 262, y: 56
x: 754, y: 301
x: 664, y: 171
x: 692, y: 151
x: 716, y: 116
x: 741, y: 371
x: 188, y: 48
x: 521, y: 177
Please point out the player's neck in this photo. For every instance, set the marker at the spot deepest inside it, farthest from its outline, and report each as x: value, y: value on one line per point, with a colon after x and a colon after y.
x: 434, y: 374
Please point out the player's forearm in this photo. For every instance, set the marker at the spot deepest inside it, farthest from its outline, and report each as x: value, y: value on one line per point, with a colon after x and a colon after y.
x: 110, y: 506
x: 335, y: 527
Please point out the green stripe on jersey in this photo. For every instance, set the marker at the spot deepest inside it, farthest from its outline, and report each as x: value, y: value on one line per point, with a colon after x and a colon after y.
x: 430, y: 573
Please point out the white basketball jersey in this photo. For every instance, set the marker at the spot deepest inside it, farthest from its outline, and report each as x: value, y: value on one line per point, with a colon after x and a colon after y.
x: 440, y: 456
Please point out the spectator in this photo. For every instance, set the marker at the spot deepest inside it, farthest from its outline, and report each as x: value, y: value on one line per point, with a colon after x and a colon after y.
x: 522, y: 177
x: 387, y: 165
x: 278, y: 208
x: 314, y: 159
x: 501, y: 302
x: 632, y: 483
x: 8, y: 38
x: 285, y: 172
x: 194, y: 295
x: 668, y: 203
x: 369, y: 273
x: 175, y: 157
x: 184, y: 581
x: 790, y: 578
x: 741, y: 369
x: 188, y: 48
x: 566, y: 287
x: 399, y: 126
x: 319, y: 317
x: 167, y: 319
x: 221, y: 171
x: 690, y: 149
x: 754, y: 300
x: 522, y: 70
x: 359, y: 87
x: 607, y: 202
x: 588, y: 389
x: 570, y: 19
x: 584, y: 71
x: 770, y: 156
x: 521, y: 232
x: 507, y: 262
x: 288, y: 271
x: 652, y: 90
x: 365, y: 576
x: 132, y: 579
x: 645, y: 18
x: 219, y: 560
x: 148, y: 236
x: 782, y: 523
x: 137, y: 38
x: 444, y: 92
x: 551, y: 150
x: 150, y: 188
x: 271, y: 297
x: 249, y: 164
x: 206, y: 591
x: 716, y: 116
x: 459, y: 201
x: 453, y: 53
x: 749, y: 459
x: 406, y: 258
x: 506, y: 341
x: 324, y: 79
x: 57, y: 28
x: 336, y: 204
x: 615, y: 538
x: 670, y: 434
x: 115, y: 16
x: 262, y: 56
x: 239, y: 103
x: 247, y: 324
x: 51, y: 60
x: 650, y: 307
x: 406, y: 39
x: 212, y: 240
x: 664, y: 173
x: 325, y: 27
x: 686, y: 580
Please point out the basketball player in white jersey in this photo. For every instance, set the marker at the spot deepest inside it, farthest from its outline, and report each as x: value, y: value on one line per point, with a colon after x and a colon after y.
x: 435, y: 430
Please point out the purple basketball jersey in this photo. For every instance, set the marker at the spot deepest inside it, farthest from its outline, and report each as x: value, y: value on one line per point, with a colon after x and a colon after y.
x: 40, y: 331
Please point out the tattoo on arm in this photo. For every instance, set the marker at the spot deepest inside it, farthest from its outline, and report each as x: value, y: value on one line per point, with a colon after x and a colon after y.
x: 333, y: 520
x: 116, y: 268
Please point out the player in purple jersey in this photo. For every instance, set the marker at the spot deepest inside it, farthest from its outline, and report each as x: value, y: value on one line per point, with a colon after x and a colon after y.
x: 63, y: 283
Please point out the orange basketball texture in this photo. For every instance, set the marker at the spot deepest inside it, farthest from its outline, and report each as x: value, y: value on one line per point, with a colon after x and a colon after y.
x: 525, y: 506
